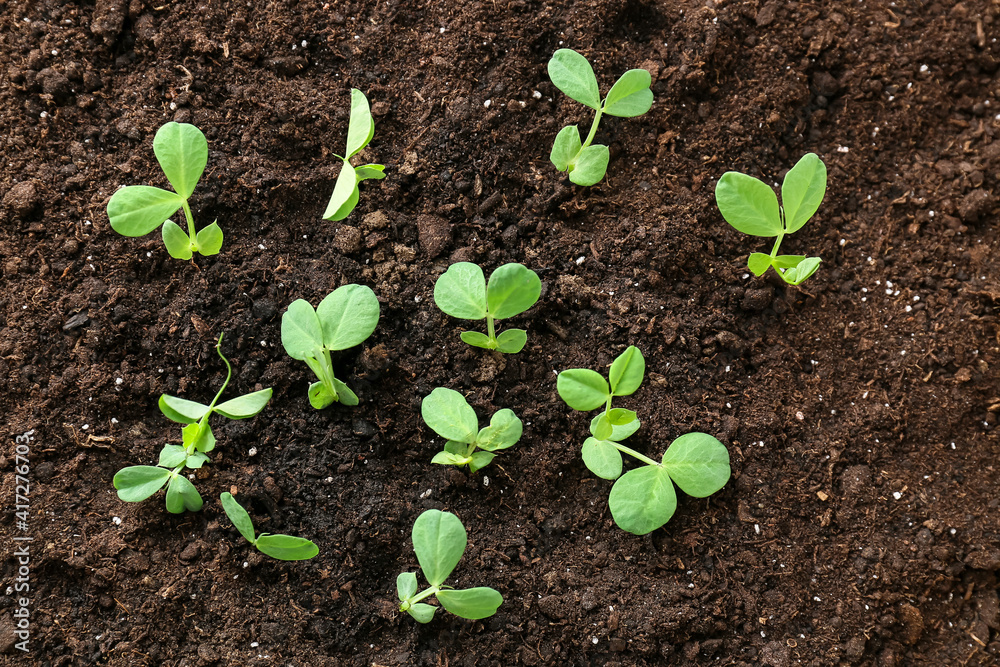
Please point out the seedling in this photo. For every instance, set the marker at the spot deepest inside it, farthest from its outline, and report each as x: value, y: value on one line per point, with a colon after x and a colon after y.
x: 751, y: 206
x: 360, y: 130
x: 345, y: 318
x: 449, y: 415
x: 629, y: 97
x: 136, y: 210
x: 642, y: 499
x: 136, y: 483
x: 281, y: 547
x: 439, y: 540
x: 462, y: 292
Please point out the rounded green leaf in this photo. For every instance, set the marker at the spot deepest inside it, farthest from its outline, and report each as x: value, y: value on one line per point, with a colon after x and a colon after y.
x: 582, y: 389
x: 505, y: 430
x: 476, y: 339
x: 361, y: 127
x: 786, y: 261
x: 439, y: 541
x: 182, y: 151
x: 602, y: 427
x: 209, y: 240
x: 344, y: 394
x: 512, y: 341
x: 643, y: 499
x: 618, y: 433
x: 421, y: 612
x: 698, y: 464
x: 244, y: 406
x: 172, y: 456
x: 591, y: 165
x: 627, y: 372
x: 196, y: 460
x: 200, y: 438
x: 177, y: 241
x: 461, y: 291
x: 181, y: 410
x: 370, y: 171
x: 449, y: 415
x: 758, y: 263
x: 136, y: 483
x: 802, y: 191
x: 602, y: 458
x: 449, y: 459
x: 301, y: 331
x: 286, y: 547
x: 621, y: 417
x: 512, y: 289
x: 573, y: 75
x: 565, y: 148
x: 239, y: 516
x: 406, y: 585
x: 480, y: 460
x: 320, y: 395
x: 471, y: 603
x: 348, y: 315
x: 345, y: 194
x: 181, y: 495
x: 804, y: 270
x: 748, y: 204
x: 630, y: 96
x: 139, y: 209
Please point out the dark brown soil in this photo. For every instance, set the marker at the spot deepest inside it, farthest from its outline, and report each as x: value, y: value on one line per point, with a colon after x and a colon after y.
x: 862, y: 523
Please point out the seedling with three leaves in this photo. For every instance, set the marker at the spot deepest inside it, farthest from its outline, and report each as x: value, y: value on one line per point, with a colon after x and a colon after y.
x: 136, y: 483
x: 345, y: 318
x: 643, y: 499
x: 281, y: 547
x: 439, y: 540
x: 136, y: 210
x: 449, y: 415
x: 360, y: 130
x: 751, y: 206
x: 462, y: 292
x: 629, y: 97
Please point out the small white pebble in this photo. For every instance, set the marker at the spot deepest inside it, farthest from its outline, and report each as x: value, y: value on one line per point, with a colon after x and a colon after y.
x: 254, y: 644
x: 537, y: 95
x: 245, y: 565
x: 843, y: 149
x: 486, y: 480
x: 487, y: 103
x: 117, y: 520
x: 252, y: 451
x: 580, y: 260
x: 261, y: 246
x: 593, y: 640
x: 816, y: 598
x: 799, y: 415
x: 85, y: 427
x: 897, y: 495
x: 924, y: 68
x: 114, y: 421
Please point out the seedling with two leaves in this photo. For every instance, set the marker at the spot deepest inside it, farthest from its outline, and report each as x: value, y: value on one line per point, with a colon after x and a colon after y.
x: 439, y: 540
x: 629, y: 97
x: 281, y: 547
x: 345, y: 318
x: 360, y: 130
x: 751, y: 206
x: 136, y: 483
x: 643, y: 499
x: 462, y: 292
x: 449, y: 415
x: 136, y: 210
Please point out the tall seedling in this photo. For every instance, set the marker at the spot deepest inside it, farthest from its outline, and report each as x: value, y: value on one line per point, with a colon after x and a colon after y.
x: 360, y: 131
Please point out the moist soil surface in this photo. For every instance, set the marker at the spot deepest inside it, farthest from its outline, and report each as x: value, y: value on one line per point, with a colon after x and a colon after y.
x: 861, y: 525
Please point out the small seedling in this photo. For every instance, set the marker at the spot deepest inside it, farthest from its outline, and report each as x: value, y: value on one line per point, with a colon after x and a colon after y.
x: 136, y: 483
x: 751, y: 206
x: 360, y: 130
x: 439, y: 541
x: 136, y: 210
x: 345, y: 318
x: 282, y: 547
x: 642, y: 499
x: 629, y: 97
x: 462, y: 292
x: 449, y: 415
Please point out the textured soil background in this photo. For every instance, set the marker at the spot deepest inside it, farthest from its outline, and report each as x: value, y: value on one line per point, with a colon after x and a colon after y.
x: 862, y: 523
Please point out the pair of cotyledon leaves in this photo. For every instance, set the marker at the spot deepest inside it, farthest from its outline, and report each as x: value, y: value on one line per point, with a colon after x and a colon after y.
x: 136, y: 210
x: 281, y: 547
x: 629, y: 97
x: 449, y: 415
x: 360, y: 130
x: 751, y: 206
x: 439, y: 540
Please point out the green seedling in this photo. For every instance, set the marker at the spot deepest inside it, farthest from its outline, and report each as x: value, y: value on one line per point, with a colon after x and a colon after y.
x: 281, y: 547
x: 345, y: 318
x: 360, y: 130
x: 439, y: 541
x: 136, y: 483
x: 462, y: 292
x: 643, y: 499
x: 751, y: 206
x: 449, y: 415
x: 136, y: 210
x: 629, y: 97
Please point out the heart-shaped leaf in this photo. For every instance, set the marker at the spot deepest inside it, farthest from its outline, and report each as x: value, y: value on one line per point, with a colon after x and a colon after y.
x: 582, y: 389
x: 802, y: 191
x: 344, y: 393
x: 172, y: 456
x: 627, y: 372
x: 748, y: 204
x: 602, y: 458
x: 209, y: 240
x: 301, y: 331
x: 182, y: 151
x: 512, y: 290
x: 461, y: 291
x: 512, y: 341
x: 406, y: 585
x: 348, y: 316
x: 439, y: 541
x: 505, y: 430
x: 758, y: 263
x: 136, y: 483
x: 565, y: 148
x: 480, y: 460
x: 602, y: 427
x: 181, y: 495
x: 181, y: 410
x: 698, y: 464
x: 573, y: 75
x: 449, y: 415
x: 630, y: 96
x: 591, y: 165
x: 618, y: 433
x: 421, y: 612
x: 320, y: 395
x: 643, y: 499
x: 476, y: 339
x: 176, y: 240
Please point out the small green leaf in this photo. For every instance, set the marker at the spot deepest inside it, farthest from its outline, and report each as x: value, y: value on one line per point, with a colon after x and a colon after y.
x: 181, y: 495
x: 758, y: 263
x: 239, y: 516
x: 802, y: 191
x: 348, y: 315
x: 573, y: 75
x: 286, y: 547
x: 476, y: 339
x: 439, y: 541
x: 209, y: 240
x: 621, y: 417
x: 480, y: 460
x: 471, y: 603
x: 460, y: 449
x: 369, y: 171
x: 177, y: 241
x: 602, y: 427
x: 582, y: 389
x: 172, y: 456
x: 344, y: 394
x: 361, y: 127
x: 627, y: 372
x: 630, y: 96
x: 421, y: 612
x: 182, y: 151
x: 244, y: 406
x: 449, y: 415
x: 512, y: 290
x: 591, y: 165
x: 345, y: 194
x: 301, y: 331
x: 200, y: 438
x: 181, y: 410
x: 602, y: 458
x: 565, y: 148
x: 449, y: 459
x: 406, y: 585
x: 196, y: 460
x: 136, y: 483
x: 505, y: 430
x: 748, y: 204
x: 461, y: 291
x: 787, y: 261
x: 804, y: 270
x: 320, y: 396
x: 618, y: 433
x: 698, y: 463
x: 643, y: 499
x: 139, y: 209
x: 512, y: 341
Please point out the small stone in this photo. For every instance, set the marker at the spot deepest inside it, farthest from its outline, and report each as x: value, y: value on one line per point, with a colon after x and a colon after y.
x: 347, y: 240
x: 23, y: 198
x: 190, y: 553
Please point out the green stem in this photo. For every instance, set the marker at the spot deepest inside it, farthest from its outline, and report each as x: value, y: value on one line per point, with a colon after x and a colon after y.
x: 593, y: 129
x: 631, y: 452
x: 190, y: 220
x: 777, y: 244
x: 607, y: 408
x: 491, y: 330
x: 422, y: 595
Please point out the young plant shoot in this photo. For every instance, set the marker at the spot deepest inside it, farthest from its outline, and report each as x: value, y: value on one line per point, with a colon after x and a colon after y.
x: 345, y: 318
x: 439, y: 541
x: 450, y: 416
x: 136, y: 483
x: 751, y: 206
x: 281, y: 547
x: 136, y: 210
x: 462, y: 292
x: 360, y: 130
x: 642, y: 499
x: 629, y: 97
